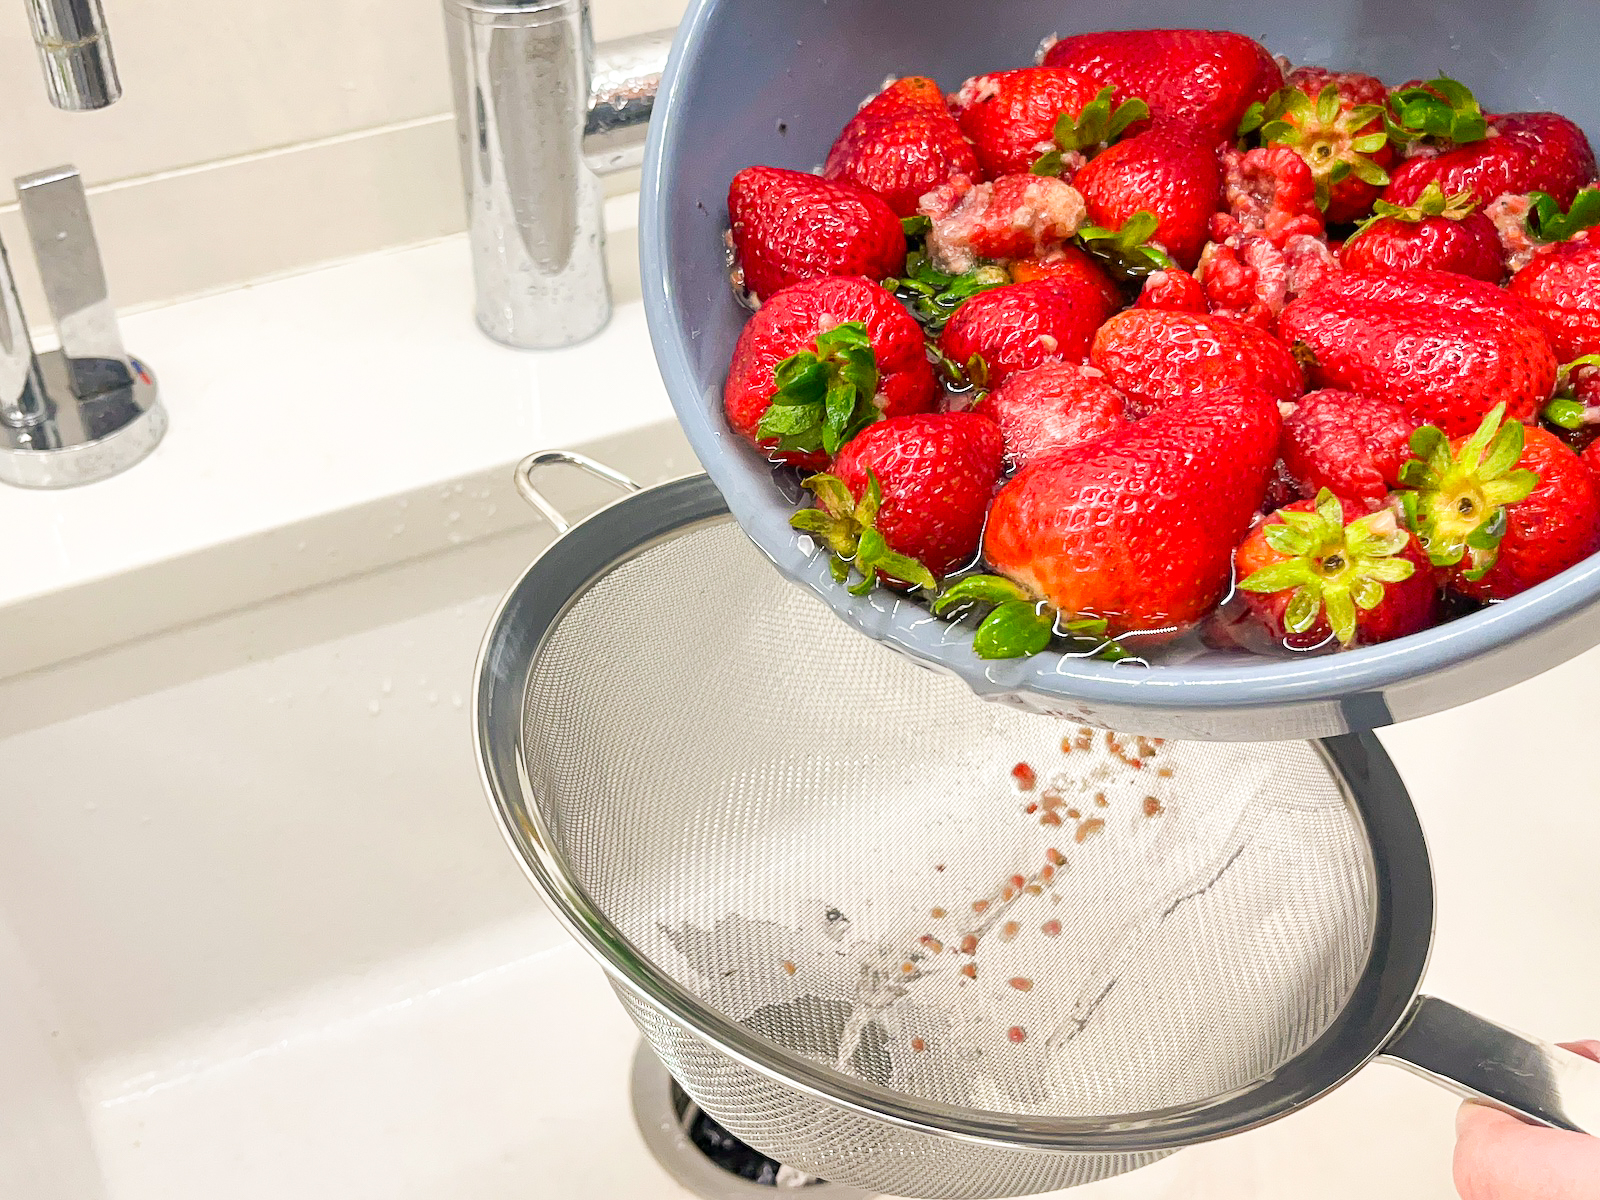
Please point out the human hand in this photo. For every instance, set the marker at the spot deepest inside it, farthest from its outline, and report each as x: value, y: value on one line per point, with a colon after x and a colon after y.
x: 1501, y: 1158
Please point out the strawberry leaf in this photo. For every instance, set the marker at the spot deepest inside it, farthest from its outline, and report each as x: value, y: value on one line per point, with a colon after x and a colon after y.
x: 1015, y: 629
x: 1547, y: 223
x: 932, y: 296
x: 847, y: 527
x: 1096, y: 127
x: 1128, y: 252
x: 978, y: 589
x: 1441, y: 110
x: 823, y: 397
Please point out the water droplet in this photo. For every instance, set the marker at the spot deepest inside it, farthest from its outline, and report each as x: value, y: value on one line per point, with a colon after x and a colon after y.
x: 398, y: 530
x: 493, y: 508
x: 455, y: 539
x: 455, y: 701
x: 300, y: 546
x: 374, y: 707
x: 433, y: 697
x: 388, y: 686
x: 453, y: 518
x: 403, y: 503
x: 460, y: 487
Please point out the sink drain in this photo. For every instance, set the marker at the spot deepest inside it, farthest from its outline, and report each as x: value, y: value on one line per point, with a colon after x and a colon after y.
x: 703, y: 1156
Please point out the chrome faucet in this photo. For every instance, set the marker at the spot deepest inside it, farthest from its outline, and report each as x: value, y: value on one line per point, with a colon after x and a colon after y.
x: 75, y: 49
x: 540, y: 117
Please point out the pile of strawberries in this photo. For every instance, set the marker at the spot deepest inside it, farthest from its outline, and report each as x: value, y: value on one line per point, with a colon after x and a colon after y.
x: 1160, y: 336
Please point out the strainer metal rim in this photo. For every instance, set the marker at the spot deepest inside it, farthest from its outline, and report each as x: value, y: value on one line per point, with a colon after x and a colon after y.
x: 1378, y: 1004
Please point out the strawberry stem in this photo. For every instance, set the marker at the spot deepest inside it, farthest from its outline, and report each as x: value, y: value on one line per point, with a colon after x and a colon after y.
x: 824, y: 396
x: 1333, y: 569
x: 1457, y: 499
x: 1017, y: 625
x: 848, y: 528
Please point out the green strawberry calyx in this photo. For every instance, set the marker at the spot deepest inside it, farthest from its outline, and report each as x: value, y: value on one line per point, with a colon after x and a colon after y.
x: 1093, y: 129
x: 1440, y: 110
x: 1324, y: 133
x: 1566, y: 411
x: 1017, y: 625
x: 1546, y: 221
x: 824, y: 396
x: 970, y: 376
x: 932, y: 296
x: 1128, y: 252
x: 848, y: 527
x: 1431, y: 203
x: 1457, y: 499
x: 1332, y: 569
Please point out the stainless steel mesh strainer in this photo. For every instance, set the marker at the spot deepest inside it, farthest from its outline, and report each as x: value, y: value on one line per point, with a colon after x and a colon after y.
x: 860, y: 943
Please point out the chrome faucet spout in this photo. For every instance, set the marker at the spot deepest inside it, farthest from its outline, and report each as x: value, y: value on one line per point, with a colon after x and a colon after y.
x: 75, y: 50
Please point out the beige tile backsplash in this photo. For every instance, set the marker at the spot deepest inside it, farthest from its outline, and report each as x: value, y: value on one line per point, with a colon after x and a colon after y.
x: 253, y: 139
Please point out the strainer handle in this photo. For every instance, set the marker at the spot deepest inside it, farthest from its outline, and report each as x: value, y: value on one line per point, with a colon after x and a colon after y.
x: 1525, y: 1077
x: 530, y: 492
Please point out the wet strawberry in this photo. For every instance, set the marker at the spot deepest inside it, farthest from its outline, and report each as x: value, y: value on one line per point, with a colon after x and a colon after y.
x: 1070, y: 263
x: 1329, y: 570
x: 1333, y: 120
x: 814, y: 346
x: 1251, y: 278
x: 1171, y: 171
x: 1024, y: 325
x: 1050, y: 408
x: 1268, y: 191
x: 1350, y: 444
x: 787, y: 226
x: 1010, y: 116
x: 1444, y: 347
x: 1562, y: 288
x: 1203, y: 78
x: 1156, y: 358
x: 1137, y: 528
x: 906, y: 498
x: 1438, y: 232
x: 902, y: 143
x: 1524, y: 152
x: 1502, y: 510
x: 1172, y: 291
x: 1015, y: 216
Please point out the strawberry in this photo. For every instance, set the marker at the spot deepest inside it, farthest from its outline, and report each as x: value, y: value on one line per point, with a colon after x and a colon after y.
x: 1170, y: 171
x: 1502, y: 510
x: 1207, y: 79
x: 1350, y: 444
x: 1591, y: 458
x: 1015, y: 216
x: 906, y: 498
x: 1155, y: 357
x: 1562, y: 288
x: 1444, y: 347
x: 1251, y: 278
x: 1071, y: 263
x: 1331, y: 570
x: 1011, y: 116
x: 902, y: 143
x: 1518, y: 153
x: 819, y: 361
x: 1173, y: 291
x: 1136, y: 529
x: 1574, y: 414
x: 1438, y: 233
x: 787, y: 226
x: 1269, y: 191
x: 1053, y: 407
x: 1024, y: 325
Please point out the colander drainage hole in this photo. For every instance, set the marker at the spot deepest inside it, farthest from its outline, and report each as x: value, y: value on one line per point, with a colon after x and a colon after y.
x: 703, y: 1156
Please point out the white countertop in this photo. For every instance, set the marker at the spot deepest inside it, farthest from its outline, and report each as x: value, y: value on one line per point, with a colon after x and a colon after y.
x: 322, y: 425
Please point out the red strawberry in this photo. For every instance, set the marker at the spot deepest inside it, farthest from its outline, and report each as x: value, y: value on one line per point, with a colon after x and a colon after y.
x: 1444, y: 347
x: 1251, y: 278
x: 1331, y: 570
x: 1562, y: 287
x: 902, y: 143
x: 1269, y: 191
x: 1173, y: 291
x: 1025, y: 325
x: 820, y: 335
x: 1204, y: 78
x: 1352, y: 445
x: 1502, y: 510
x: 1438, y: 233
x: 906, y: 498
x: 1015, y: 216
x: 1068, y: 262
x: 1011, y: 115
x: 1333, y: 120
x: 1155, y: 357
x: 1528, y: 152
x: 1053, y: 407
x: 1591, y: 458
x: 1138, y: 528
x: 1171, y: 171
x: 787, y: 226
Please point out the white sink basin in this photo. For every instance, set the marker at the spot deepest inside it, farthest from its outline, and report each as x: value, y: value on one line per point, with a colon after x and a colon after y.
x: 259, y: 937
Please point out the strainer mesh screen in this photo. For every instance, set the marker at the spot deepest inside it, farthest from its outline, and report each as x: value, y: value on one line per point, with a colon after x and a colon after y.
x: 829, y: 845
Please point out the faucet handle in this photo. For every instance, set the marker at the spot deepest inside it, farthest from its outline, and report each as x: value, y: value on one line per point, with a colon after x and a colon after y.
x: 23, y: 403
x: 55, y: 209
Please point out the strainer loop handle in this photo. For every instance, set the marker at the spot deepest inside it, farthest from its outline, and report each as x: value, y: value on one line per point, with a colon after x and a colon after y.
x: 1520, y: 1075
x: 530, y: 492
